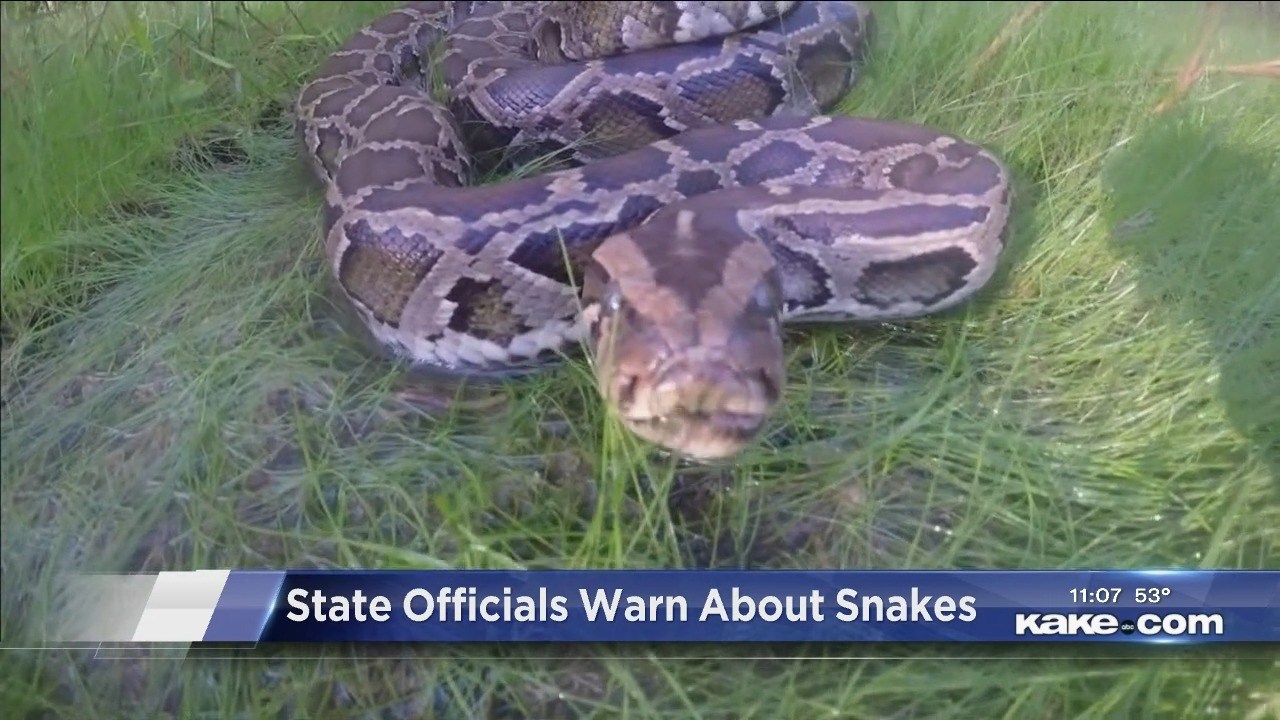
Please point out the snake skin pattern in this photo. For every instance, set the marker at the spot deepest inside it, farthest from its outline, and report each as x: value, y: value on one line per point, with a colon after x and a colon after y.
x: 699, y: 198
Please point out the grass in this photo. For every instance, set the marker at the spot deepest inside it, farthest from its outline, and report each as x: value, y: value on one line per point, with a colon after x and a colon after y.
x: 178, y: 392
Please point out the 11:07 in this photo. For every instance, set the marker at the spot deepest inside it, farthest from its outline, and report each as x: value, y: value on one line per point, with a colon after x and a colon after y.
x: 1097, y: 595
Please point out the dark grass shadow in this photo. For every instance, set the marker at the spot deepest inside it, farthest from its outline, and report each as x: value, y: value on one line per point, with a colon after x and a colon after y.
x: 1195, y: 212
x: 537, y: 680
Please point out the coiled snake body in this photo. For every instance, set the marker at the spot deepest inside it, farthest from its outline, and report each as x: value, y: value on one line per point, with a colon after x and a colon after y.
x: 705, y: 202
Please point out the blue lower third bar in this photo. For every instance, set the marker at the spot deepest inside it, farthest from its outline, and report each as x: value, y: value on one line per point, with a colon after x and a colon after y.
x: 719, y: 606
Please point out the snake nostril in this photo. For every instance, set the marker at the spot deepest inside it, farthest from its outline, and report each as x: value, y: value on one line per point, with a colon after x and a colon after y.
x: 627, y: 389
x: 768, y: 385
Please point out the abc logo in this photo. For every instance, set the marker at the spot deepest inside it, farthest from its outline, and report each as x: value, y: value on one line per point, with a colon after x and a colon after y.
x: 1127, y: 627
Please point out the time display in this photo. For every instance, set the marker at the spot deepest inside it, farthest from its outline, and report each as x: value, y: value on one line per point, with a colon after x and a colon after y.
x: 1106, y: 596
x: 1096, y: 596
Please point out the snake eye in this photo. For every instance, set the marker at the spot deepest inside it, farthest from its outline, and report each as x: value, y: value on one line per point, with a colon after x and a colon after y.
x: 612, y: 301
x: 765, y: 298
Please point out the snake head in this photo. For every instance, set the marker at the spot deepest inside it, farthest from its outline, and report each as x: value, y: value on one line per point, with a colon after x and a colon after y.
x: 686, y: 335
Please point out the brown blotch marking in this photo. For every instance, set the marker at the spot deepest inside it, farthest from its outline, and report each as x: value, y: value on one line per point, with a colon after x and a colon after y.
x: 977, y: 176
x: 713, y: 144
x: 840, y: 173
x: 623, y: 121
x: 893, y: 222
x: 635, y: 210
x: 976, y: 173
x: 331, y: 74
x: 366, y: 41
x: 828, y: 63
x: 804, y: 280
x: 382, y: 270
x: 618, y: 173
x: 697, y: 182
x: 472, y: 240
x: 744, y: 89
x: 383, y: 101
x: 461, y: 51
x: 822, y: 228
x: 368, y: 167
x: 473, y: 203
x: 395, y: 22
x: 958, y: 152
x: 483, y: 312
x: 329, y: 143
x: 467, y: 205
x: 333, y: 103
x: 910, y: 172
x: 387, y: 125
x: 774, y: 160
x: 326, y: 86
x: 409, y: 196
x: 926, y: 278
x: 543, y: 253
x: 414, y: 120
x: 385, y: 64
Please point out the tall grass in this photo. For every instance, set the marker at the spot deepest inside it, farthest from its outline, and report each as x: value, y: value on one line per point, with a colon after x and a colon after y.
x: 98, y: 94
x: 180, y: 392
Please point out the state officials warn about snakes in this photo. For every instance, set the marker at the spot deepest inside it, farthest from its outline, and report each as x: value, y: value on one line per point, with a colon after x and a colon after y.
x: 703, y: 199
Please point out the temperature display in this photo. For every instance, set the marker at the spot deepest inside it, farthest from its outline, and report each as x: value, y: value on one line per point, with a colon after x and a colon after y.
x: 1151, y: 595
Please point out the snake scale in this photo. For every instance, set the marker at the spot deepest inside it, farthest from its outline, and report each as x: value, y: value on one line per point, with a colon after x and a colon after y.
x: 701, y: 199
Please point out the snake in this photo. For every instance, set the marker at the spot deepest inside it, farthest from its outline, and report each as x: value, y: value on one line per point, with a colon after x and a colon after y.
x: 662, y: 184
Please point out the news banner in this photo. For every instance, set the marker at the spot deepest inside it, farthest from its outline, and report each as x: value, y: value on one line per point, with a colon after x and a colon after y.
x: 717, y: 606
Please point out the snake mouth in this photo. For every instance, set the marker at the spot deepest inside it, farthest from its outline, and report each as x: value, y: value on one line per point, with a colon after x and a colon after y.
x: 699, y: 436
x: 702, y: 411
